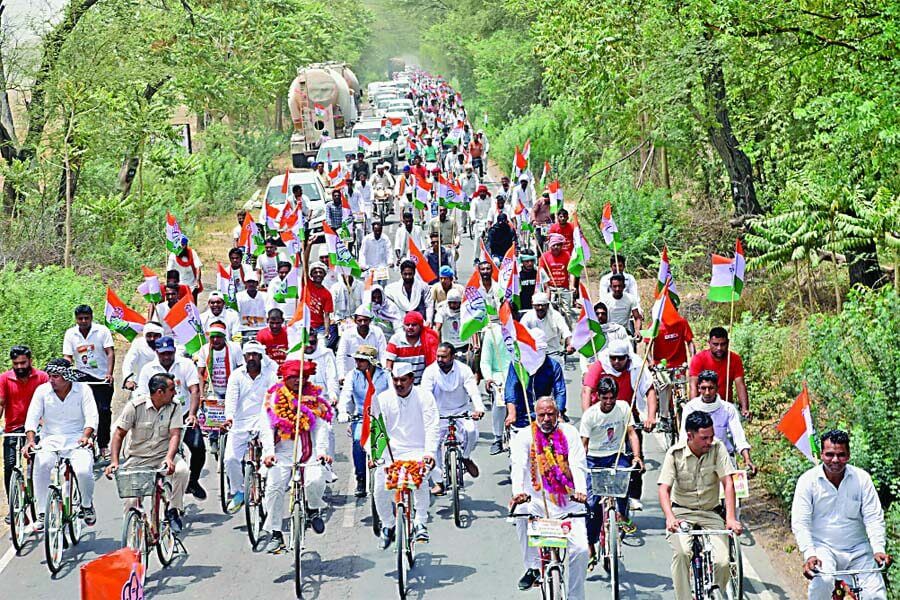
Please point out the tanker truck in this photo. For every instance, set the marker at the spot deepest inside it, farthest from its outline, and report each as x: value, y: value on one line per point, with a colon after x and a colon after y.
x: 322, y: 98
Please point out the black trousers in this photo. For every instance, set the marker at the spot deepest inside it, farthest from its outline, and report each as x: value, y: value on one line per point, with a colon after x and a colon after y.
x: 193, y: 439
x: 103, y: 393
x: 10, y: 448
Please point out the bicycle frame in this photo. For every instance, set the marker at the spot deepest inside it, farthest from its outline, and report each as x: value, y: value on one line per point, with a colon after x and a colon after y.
x: 551, y: 558
x: 702, y: 564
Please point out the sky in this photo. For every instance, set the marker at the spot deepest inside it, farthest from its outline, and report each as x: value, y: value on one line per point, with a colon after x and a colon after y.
x: 21, y: 14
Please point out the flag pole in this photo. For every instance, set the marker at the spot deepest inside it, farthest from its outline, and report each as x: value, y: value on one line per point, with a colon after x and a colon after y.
x: 728, y: 382
x: 584, y: 272
x: 300, y: 389
x: 528, y: 408
x: 634, y: 394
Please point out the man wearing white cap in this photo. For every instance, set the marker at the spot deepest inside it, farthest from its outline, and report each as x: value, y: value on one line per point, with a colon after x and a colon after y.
x: 546, y: 318
x: 244, y: 396
x: 215, y: 360
x: 217, y: 311
x: 331, y: 277
x: 251, y: 307
x: 523, y: 193
x: 362, y: 333
x: 411, y: 419
x: 140, y: 354
x: 447, y: 321
x: 382, y: 177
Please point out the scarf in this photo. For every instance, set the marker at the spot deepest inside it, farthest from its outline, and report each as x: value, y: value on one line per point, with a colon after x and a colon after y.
x: 387, y: 311
x: 634, y: 370
x: 709, y: 407
x: 209, y: 363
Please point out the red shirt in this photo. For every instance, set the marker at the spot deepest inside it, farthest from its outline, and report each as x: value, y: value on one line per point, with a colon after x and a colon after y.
x: 320, y: 304
x: 16, y: 394
x: 276, y: 345
x: 558, y: 267
x: 567, y: 231
x: 669, y: 344
x: 704, y: 360
x: 419, y: 170
x: 595, y: 373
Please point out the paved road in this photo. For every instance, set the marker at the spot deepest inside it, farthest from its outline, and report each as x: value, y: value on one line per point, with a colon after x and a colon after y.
x: 478, y: 561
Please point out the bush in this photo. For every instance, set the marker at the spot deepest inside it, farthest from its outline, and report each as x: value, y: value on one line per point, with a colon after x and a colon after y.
x: 37, y: 304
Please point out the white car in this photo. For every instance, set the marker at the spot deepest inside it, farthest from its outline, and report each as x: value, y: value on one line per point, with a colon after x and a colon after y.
x: 313, y: 193
x: 338, y: 151
x: 380, y: 149
x: 404, y: 105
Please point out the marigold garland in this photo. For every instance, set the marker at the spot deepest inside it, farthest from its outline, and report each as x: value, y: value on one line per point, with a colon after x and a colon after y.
x: 315, y: 401
x: 281, y: 407
x: 549, y: 457
x: 404, y: 473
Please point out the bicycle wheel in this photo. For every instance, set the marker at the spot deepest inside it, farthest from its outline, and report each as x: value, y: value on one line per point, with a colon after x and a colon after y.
x: 298, y: 532
x: 18, y: 507
x: 223, y: 477
x: 376, y: 521
x: 452, y: 460
x: 735, y: 589
x: 54, y: 530
x: 553, y: 587
x: 411, y: 538
x: 75, y: 522
x: 612, y: 545
x: 254, y: 512
x: 165, y: 545
x: 402, y: 539
x: 134, y: 535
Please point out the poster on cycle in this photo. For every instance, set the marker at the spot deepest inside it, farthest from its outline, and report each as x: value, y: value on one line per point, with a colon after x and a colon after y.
x: 741, y: 485
x: 212, y: 416
x: 117, y: 574
x: 548, y: 533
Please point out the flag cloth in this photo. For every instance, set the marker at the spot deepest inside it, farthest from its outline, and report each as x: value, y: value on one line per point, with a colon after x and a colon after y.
x: 473, y: 312
x: 797, y: 426
x: 271, y: 215
x: 727, y: 276
x: 423, y: 269
x: 122, y: 319
x: 320, y: 111
x: 527, y: 359
x: 376, y: 439
x: 664, y: 275
x: 587, y: 336
x: 519, y: 161
x: 251, y: 240
x: 364, y: 142
x: 581, y: 252
x: 285, y: 188
x: 546, y: 172
x: 556, y: 196
x: 184, y: 320
x: 663, y: 311
x: 509, y: 276
x: 288, y: 288
x: 225, y: 286
x: 174, y: 236
x: 291, y: 243
x: 299, y: 326
x: 526, y: 150
x: 150, y: 288
x: 423, y: 193
x: 611, y: 235
x: 342, y: 260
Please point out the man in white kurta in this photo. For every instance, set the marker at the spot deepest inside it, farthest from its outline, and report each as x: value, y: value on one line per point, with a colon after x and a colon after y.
x: 530, y: 500
x: 361, y: 334
x: 549, y: 320
x: 412, y: 421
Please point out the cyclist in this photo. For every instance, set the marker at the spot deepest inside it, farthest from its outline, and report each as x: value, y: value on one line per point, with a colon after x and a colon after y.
x: 437, y: 256
x: 17, y: 386
x: 353, y: 399
x: 726, y: 419
x: 244, y: 397
x: 68, y: 415
x: 415, y: 345
x: 611, y: 331
x: 617, y: 266
x: 564, y: 228
x: 524, y: 193
x: 547, y: 380
x: 688, y: 486
x: 409, y: 294
x: 603, y: 428
x: 494, y: 362
x: 360, y: 167
x: 838, y: 521
x: 546, y: 318
x: 455, y: 390
x: 500, y: 237
x: 215, y: 311
x: 277, y: 436
x: 410, y: 417
x: 528, y: 276
x: 556, y: 262
x: 155, y: 425
x: 623, y: 308
x: 352, y: 338
x: 448, y: 230
x: 674, y: 344
x: 251, y: 307
x: 565, y: 491
x: 440, y: 290
x: 448, y: 322
x: 479, y: 209
x: 716, y: 358
x: 408, y: 231
x: 386, y: 315
x: 375, y: 251
x: 216, y: 360
x: 541, y: 218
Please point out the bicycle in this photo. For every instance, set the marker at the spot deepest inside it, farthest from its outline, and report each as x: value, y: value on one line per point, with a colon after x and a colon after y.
x: 211, y: 418
x: 843, y: 589
x: 561, y: 300
x: 63, y: 515
x: 453, y: 464
x: 142, y: 531
x: 21, y: 495
x: 254, y: 491
x: 299, y: 520
x: 404, y: 477
x: 609, y: 484
x: 550, y: 537
x: 703, y: 566
x: 674, y: 380
x: 370, y: 473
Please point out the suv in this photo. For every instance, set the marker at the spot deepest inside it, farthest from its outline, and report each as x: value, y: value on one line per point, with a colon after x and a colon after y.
x: 313, y: 192
x: 381, y: 149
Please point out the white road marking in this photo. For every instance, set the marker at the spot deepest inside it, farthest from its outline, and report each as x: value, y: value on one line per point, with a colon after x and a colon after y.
x: 7, y: 558
x: 349, y: 519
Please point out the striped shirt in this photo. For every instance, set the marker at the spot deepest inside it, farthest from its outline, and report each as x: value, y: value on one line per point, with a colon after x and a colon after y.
x: 399, y: 350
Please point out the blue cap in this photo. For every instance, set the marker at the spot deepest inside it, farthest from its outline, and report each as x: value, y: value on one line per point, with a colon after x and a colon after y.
x: 446, y: 271
x: 406, y: 169
x: 165, y: 344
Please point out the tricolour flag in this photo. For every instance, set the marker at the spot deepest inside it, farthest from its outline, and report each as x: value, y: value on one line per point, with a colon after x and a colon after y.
x: 797, y: 426
x: 320, y: 111
x: 581, y: 253
x: 225, y: 286
x: 545, y: 172
x: 526, y: 150
x: 122, y: 319
x: 526, y: 358
x: 150, y: 288
x: 336, y: 174
x: 342, y: 260
x: 184, y: 320
x: 663, y: 311
x: 727, y: 276
x: 299, y: 325
x: 423, y: 193
x: 509, y: 276
x: 288, y: 288
x: 291, y: 243
x: 174, y: 234
x: 423, y: 269
x: 251, y: 240
x: 611, y: 235
x: 664, y: 275
x: 519, y: 161
x: 587, y: 336
x: 364, y: 142
x: 556, y: 196
x: 373, y: 435
x: 473, y: 312
x: 486, y: 257
x: 270, y: 216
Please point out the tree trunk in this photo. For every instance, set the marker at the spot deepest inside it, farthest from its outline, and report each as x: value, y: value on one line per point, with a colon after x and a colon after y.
x: 279, y: 113
x: 864, y: 267
x: 664, y: 169
x: 722, y: 138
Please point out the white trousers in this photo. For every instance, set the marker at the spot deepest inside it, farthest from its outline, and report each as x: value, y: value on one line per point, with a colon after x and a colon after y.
x: 278, y: 480
x: 384, y: 498
x: 82, y: 460
x: 576, y: 550
x: 235, y: 449
x: 860, y: 557
x: 466, y: 432
x: 498, y: 418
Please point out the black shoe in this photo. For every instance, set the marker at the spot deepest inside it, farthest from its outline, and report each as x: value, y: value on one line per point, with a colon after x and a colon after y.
x: 174, y: 520
x: 496, y: 447
x: 196, y: 490
x: 564, y: 416
x: 529, y: 579
x: 90, y: 515
x: 387, y: 536
x: 316, y: 522
x: 361, y: 491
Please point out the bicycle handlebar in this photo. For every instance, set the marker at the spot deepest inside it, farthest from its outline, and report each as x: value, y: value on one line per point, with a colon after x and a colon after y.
x: 514, y: 515
x: 459, y: 416
x: 696, y: 532
x: 817, y: 573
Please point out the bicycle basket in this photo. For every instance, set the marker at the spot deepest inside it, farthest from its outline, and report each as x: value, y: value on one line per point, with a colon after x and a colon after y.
x: 610, y: 482
x: 135, y: 484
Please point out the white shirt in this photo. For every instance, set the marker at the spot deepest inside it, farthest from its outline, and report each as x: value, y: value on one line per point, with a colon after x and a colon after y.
x: 362, y: 197
x: 184, y: 372
x: 553, y: 325
x: 619, y: 310
x: 841, y: 518
x: 228, y: 316
x: 64, y: 421
x: 346, y: 301
x: 161, y: 310
x: 526, y: 196
x: 480, y: 209
x: 451, y: 324
x: 238, y: 277
x: 351, y: 341
x: 137, y: 357
x: 375, y: 253
x: 218, y: 378
x: 726, y: 423
x: 630, y: 287
x: 418, y: 295
x: 252, y: 311
x: 267, y: 267
x: 88, y: 352
x: 520, y: 471
x: 245, y: 395
x: 454, y: 392
x: 186, y: 273
x: 288, y: 307
x: 401, y: 244
x: 412, y: 422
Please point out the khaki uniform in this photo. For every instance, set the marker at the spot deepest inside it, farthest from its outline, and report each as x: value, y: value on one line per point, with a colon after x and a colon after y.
x: 149, y: 441
x: 694, y: 483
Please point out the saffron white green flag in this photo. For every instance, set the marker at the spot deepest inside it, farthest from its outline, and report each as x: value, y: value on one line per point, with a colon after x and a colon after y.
x: 174, y: 236
x: 288, y: 288
x: 299, y: 326
x: 587, y: 336
x: 473, y: 312
x: 342, y: 260
x: 527, y: 359
x: 664, y: 275
x: 226, y: 287
x: 184, y: 320
x: 727, y: 276
x: 797, y: 426
x: 581, y: 252
x: 150, y: 288
x: 611, y: 235
x: 122, y: 319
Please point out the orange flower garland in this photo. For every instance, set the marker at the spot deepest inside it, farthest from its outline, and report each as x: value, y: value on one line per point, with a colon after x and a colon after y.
x: 403, y: 474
